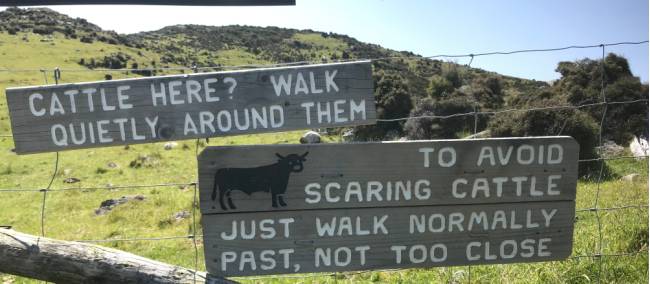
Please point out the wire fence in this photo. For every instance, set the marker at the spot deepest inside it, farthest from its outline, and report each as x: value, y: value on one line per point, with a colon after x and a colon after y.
x: 194, y: 237
x: 304, y: 62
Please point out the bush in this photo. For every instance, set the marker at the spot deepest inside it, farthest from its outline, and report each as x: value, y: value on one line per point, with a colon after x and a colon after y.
x: 581, y: 84
x: 43, y: 30
x: 393, y: 100
x: 488, y: 92
x: 439, y: 87
x: 86, y: 39
x: 113, y: 61
x: 623, y: 121
x: 571, y: 122
x: 144, y: 72
x: 69, y: 32
x: 428, y: 128
x: 13, y: 30
x: 452, y: 74
x: 116, y: 60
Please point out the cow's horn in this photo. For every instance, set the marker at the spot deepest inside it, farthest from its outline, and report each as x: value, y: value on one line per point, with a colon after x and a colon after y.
x: 304, y: 155
x: 279, y: 156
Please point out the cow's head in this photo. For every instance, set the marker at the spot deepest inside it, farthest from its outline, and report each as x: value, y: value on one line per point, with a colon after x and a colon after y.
x: 293, y: 161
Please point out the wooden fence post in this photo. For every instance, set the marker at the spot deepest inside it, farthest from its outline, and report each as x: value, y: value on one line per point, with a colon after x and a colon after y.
x: 74, y: 262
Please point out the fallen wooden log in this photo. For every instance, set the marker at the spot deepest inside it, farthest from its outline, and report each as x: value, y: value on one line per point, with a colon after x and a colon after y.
x: 74, y: 262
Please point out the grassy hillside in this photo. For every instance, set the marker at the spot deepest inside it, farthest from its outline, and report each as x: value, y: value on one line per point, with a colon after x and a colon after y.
x: 70, y: 211
x: 227, y: 46
x: 201, y: 45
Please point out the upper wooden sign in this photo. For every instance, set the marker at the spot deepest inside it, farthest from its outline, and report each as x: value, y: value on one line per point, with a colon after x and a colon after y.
x: 131, y: 111
x: 276, y: 209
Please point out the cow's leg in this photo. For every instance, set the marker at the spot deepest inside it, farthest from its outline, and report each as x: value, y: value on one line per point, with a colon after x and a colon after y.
x: 281, y: 201
x: 274, y: 200
x: 222, y: 192
x: 230, y: 203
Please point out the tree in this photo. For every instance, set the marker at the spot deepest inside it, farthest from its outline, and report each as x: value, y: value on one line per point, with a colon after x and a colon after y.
x: 86, y: 39
x: 439, y: 87
x: 572, y: 122
x: 13, y: 30
x: 428, y: 128
x: 393, y: 100
x: 452, y: 74
x: 581, y: 84
x: 487, y: 91
x: 623, y: 121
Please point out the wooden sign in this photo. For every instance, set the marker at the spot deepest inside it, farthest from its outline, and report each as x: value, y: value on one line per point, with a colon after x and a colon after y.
x: 131, y: 111
x: 274, y: 209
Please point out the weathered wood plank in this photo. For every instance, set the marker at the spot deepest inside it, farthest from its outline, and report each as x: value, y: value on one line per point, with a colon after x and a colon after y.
x: 131, y: 111
x: 371, y: 238
x: 388, y: 174
x: 73, y: 262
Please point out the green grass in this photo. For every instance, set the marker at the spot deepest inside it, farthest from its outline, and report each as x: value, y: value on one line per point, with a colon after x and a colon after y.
x: 70, y: 215
x: 318, y: 41
x: 59, y: 52
x: 320, y: 47
x: 237, y: 57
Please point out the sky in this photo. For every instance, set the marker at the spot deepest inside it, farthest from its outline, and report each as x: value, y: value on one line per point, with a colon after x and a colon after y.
x: 429, y: 27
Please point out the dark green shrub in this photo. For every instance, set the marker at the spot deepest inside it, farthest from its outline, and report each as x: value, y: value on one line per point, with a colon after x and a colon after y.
x: 447, y: 128
x: 86, y: 39
x: 571, y: 122
x: 43, y: 30
x: 13, y: 30
x: 487, y: 91
x: 439, y: 87
x: 581, y: 84
x: 393, y: 100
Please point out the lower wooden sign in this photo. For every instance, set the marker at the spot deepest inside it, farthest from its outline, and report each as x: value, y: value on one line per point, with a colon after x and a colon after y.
x: 247, y: 244
x: 278, y: 209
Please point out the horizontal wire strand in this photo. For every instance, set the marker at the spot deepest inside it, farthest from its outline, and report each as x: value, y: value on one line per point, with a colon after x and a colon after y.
x: 473, y: 113
x: 139, y: 186
x: 226, y: 67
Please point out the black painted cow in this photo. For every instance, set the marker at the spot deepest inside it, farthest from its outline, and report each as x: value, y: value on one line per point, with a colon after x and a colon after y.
x: 272, y: 178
